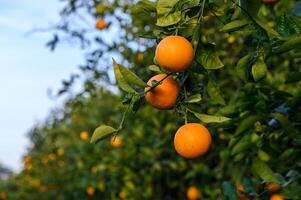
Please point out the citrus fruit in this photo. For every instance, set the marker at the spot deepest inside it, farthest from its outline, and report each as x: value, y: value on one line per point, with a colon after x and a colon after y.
x: 90, y: 190
x: 116, y: 142
x: 273, y: 187
x: 174, y: 53
x: 84, y: 135
x: 163, y: 96
x: 193, y: 193
x: 101, y: 24
x: 276, y: 197
x: 192, y: 140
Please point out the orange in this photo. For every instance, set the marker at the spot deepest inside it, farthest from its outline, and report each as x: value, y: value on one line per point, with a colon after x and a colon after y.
x: 270, y: 2
x: 276, y: 197
x: 193, y: 193
x: 165, y: 95
x: 101, y: 24
x: 192, y: 140
x: 116, y: 142
x: 122, y: 195
x: 241, y: 191
x: 90, y: 190
x: 174, y: 53
x: 273, y: 187
x: 84, y: 135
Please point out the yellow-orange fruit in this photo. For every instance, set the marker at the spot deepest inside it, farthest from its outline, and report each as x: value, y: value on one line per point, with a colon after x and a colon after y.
x: 101, y: 24
x: 276, y: 197
x: 84, y: 135
x: 116, y: 142
x: 273, y: 187
x: 193, y: 193
x: 192, y: 140
x: 90, y: 190
x: 122, y: 195
x: 165, y: 95
x: 174, y: 53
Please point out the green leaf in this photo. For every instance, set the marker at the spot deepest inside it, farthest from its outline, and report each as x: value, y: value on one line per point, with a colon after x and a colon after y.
x: 214, y: 93
x: 265, y: 26
x: 262, y: 155
x: 293, y: 77
x: 242, y: 67
x: 246, y: 124
x: 120, y: 79
x: 210, y: 118
x: 285, y: 123
x: 144, y: 6
x: 289, y: 44
x: 102, y: 132
x: 154, y: 68
x: 193, y: 99
x: 249, y: 186
x: 229, y: 191
x: 251, y: 7
x: 131, y: 77
x: 209, y: 58
x: 242, y: 145
x: 234, y: 25
x: 259, y: 70
x: 264, y: 171
x: 166, y: 14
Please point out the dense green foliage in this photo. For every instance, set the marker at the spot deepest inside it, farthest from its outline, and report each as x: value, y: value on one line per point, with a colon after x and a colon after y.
x: 244, y: 85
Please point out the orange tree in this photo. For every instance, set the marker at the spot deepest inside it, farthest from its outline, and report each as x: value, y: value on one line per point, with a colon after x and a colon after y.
x: 233, y: 66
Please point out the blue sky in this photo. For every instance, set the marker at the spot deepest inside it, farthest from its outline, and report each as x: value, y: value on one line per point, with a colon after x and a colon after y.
x: 27, y: 70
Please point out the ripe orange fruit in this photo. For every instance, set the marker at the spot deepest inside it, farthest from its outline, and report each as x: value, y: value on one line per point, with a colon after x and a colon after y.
x: 192, y: 140
x: 90, y: 190
x: 193, y: 193
x: 122, y: 195
x: 174, y: 53
x: 276, y: 197
x: 273, y: 187
x: 165, y: 95
x: 101, y: 24
x: 241, y: 191
x: 116, y: 142
x: 270, y: 2
x: 84, y: 135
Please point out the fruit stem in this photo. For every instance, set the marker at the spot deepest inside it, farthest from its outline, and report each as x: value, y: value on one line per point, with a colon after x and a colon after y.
x: 156, y: 84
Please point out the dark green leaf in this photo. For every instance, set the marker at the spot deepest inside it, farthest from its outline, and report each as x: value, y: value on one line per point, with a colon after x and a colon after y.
x: 246, y: 124
x: 131, y: 77
x: 234, y: 26
x: 229, y: 191
x: 214, y: 93
x: 285, y: 123
x: 120, y: 79
x: 242, y: 145
x: 289, y: 44
x: 259, y: 70
x: 166, y: 14
x: 209, y: 58
x: 264, y: 171
x: 242, y: 67
x: 210, y: 118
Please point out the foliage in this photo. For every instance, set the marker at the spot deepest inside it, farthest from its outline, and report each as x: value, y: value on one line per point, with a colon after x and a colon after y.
x: 244, y: 84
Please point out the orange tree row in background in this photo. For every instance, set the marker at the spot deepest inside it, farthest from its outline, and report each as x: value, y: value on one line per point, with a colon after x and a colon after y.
x: 232, y: 66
